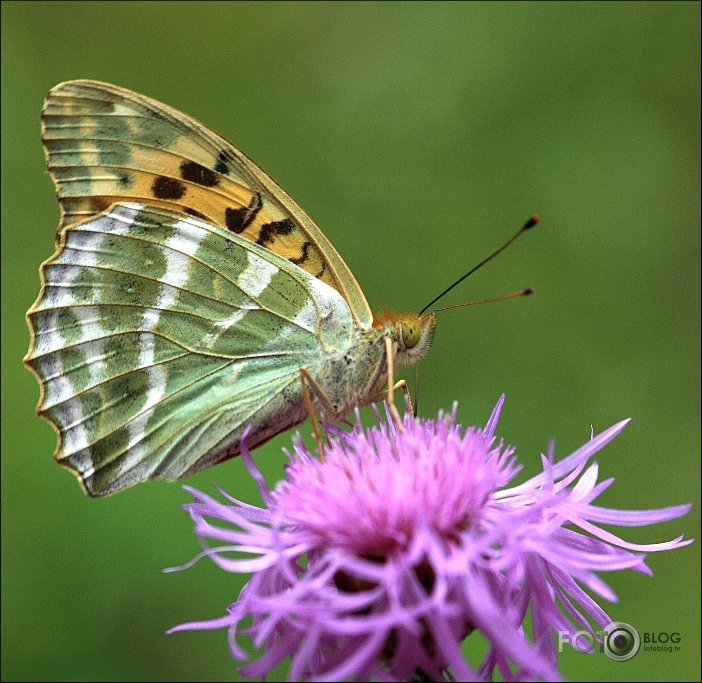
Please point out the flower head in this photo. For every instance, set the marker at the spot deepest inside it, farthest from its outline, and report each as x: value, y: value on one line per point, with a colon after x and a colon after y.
x: 379, y: 560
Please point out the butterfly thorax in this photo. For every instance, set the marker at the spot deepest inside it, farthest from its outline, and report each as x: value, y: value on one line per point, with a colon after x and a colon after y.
x: 358, y: 374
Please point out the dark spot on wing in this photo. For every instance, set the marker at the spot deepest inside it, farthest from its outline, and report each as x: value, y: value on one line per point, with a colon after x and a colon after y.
x: 234, y: 218
x: 100, y: 204
x: 196, y: 173
x: 270, y: 231
x: 305, y: 254
x: 197, y: 214
x: 306, y: 248
x: 167, y: 188
x: 125, y: 180
x: 238, y: 219
x: 222, y: 165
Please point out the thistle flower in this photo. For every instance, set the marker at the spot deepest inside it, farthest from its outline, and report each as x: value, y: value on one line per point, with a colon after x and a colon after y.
x: 378, y: 561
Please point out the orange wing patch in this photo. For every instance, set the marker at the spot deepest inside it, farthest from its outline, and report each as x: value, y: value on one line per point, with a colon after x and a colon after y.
x: 106, y: 145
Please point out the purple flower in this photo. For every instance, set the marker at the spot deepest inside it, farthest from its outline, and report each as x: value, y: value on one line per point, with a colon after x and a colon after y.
x: 379, y: 560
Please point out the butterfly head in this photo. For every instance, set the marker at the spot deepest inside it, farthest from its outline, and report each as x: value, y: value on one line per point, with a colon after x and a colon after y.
x: 413, y: 333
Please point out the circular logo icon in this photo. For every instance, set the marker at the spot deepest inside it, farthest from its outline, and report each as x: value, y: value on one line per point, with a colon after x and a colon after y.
x: 621, y: 641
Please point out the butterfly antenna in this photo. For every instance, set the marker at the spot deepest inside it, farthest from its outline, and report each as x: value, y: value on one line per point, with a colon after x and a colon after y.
x: 520, y: 292
x: 528, y: 225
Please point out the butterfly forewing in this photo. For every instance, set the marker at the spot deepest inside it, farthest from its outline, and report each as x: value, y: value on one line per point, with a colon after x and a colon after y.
x: 159, y: 334
x: 105, y: 144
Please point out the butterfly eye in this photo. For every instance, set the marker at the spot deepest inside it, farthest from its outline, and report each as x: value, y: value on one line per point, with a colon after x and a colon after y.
x: 410, y: 333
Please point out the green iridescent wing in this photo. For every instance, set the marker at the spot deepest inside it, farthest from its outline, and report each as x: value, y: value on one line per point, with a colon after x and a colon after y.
x: 158, y: 337
x: 187, y: 298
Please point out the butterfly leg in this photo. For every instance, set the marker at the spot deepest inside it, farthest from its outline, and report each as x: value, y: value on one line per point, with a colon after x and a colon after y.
x: 390, y: 356
x: 401, y: 384
x: 308, y: 382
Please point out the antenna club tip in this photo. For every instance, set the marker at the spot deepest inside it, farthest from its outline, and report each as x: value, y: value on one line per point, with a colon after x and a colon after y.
x: 527, y: 291
x: 532, y: 222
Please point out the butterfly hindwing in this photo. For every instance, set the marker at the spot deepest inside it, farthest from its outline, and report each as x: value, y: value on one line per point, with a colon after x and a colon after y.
x: 157, y: 334
x: 106, y: 145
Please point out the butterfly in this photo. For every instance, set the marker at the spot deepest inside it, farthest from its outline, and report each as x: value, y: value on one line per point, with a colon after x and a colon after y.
x: 189, y: 299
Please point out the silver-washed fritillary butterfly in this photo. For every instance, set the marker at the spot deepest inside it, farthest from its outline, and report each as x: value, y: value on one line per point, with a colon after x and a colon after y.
x: 189, y: 297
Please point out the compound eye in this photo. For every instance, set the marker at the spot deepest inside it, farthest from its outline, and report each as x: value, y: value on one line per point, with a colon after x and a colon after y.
x: 410, y: 333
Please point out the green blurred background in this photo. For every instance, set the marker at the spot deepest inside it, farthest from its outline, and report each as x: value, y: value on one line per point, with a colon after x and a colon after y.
x: 419, y: 137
